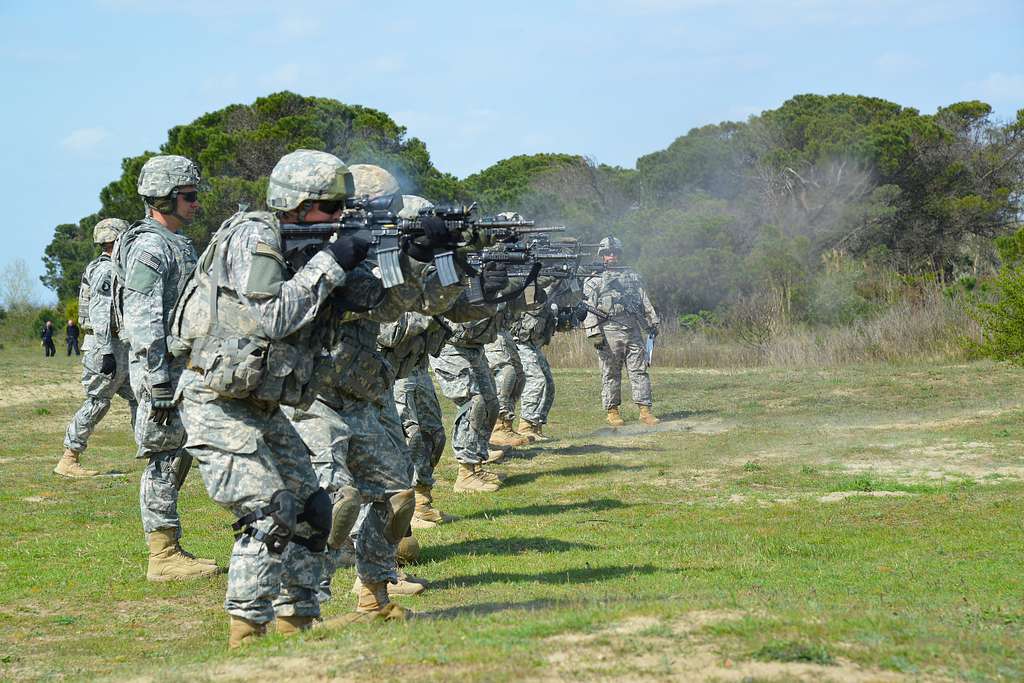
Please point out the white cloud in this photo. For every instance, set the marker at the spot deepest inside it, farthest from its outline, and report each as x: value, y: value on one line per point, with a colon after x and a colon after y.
x: 84, y: 140
x: 1000, y: 87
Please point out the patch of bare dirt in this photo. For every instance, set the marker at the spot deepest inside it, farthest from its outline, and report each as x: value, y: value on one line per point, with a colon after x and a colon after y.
x: 645, y: 649
x: 11, y: 396
x: 947, y: 460
x: 837, y: 496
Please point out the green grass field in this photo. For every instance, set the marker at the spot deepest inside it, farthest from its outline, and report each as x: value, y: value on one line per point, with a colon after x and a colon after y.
x: 852, y: 524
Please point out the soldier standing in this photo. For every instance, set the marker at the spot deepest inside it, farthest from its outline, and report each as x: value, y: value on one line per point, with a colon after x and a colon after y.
x: 105, y: 364
x: 619, y: 331
x: 253, y: 350
x: 503, y: 359
x: 152, y: 260
x: 71, y: 334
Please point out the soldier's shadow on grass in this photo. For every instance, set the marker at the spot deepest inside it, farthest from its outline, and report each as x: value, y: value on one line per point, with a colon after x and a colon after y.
x: 581, y: 470
x: 502, y: 546
x: 573, y: 576
x: 588, y: 448
x: 670, y: 422
x: 597, y: 505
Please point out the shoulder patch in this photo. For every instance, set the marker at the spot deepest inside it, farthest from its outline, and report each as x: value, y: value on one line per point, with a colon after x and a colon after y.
x: 143, y: 277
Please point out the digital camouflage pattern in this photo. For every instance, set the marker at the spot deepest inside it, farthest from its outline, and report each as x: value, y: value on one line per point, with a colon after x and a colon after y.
x: 107, y: 230
x: 507, y: 368
x: 151, y: 265
x: 538, y: 393
x: 248, y: 450
x: 307, y: 174
x: 95, y: 302
x: 161, y: 174
x: 620, y: 295
x: 373, y: 181
x: 465, y: 379
x: 422, y: 423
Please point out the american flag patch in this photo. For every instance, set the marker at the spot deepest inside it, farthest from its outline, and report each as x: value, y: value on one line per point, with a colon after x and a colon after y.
x: 150, y: 261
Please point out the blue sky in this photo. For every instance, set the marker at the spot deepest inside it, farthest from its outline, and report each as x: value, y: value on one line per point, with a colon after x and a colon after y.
x: 89, y: 83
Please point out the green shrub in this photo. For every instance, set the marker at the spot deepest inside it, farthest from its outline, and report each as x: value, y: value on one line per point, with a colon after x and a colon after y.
x: 1002, y: 318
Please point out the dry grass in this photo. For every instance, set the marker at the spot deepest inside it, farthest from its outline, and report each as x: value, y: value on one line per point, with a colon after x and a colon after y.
x: 931, y: 327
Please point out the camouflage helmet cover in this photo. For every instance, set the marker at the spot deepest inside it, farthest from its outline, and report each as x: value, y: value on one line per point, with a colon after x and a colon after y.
x: 160, y: 175
x: 509, y: 216
x: 373, y: 181
x: 609, y: 245
x: 307, y: 174
x: 108, y: 229
x: 412, y: 205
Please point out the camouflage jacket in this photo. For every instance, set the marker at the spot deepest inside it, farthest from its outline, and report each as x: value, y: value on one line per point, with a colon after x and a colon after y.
x: 151, y: 265
x: 620, y: 296
x: 94, y: 306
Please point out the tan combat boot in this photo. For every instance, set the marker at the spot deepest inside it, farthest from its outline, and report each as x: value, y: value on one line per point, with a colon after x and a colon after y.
x: 614, y: 419
x: 470, y: 480
x: 407, y: 585
x: 426, y: 515
x: 168, y: 563
x: 242, y: 631
x: 494, y: 455
x: 532, y: 431
x: 488, y: 475
x: 289, y: 626
x: 68, y: 466
x: 647, y: 417
x: 373, y: 600
x: 505, y: 436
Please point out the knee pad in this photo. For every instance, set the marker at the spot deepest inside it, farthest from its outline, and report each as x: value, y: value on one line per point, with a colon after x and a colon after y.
x: 344, y: 513
x: 317, y: 514
x: 400, y: 507
x: 408, y: 551
x: 282, y: 510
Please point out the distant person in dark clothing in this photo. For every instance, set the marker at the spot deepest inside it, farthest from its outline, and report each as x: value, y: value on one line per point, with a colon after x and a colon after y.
x: 71, y: 337
x: 47, y: 336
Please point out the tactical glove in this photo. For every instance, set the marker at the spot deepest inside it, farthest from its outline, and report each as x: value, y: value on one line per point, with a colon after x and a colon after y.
x: 493, y: 278
x: 109, y: 364
x: 436, y: 236
x: 349, y: 251
x: 162, y: 405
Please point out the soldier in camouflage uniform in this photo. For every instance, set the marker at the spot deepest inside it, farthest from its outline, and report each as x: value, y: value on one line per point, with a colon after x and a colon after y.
x: 506, y: 367
x: 151, y: 261
x: 353, y: 429
x: 105, y: 363
x: 619, y: 332
x: 253, y: 346
x: 532, y: 330
x: 465, y: 378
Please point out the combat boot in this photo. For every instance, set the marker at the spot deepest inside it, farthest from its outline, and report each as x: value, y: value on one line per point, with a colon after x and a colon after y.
x: 470, y: 480
x: 168, y: 563
x: 488, y: 475
x: 242, y: 631
x: 505, y: 436
x: 289, y: 626
x: 614, y: 419
x: 494, y: 455
x: 532, y: 430
x: 408, y: 551
x: 68, y: 466
x: 405, y: 586
x: 426, y: 515
x: 647, y: 417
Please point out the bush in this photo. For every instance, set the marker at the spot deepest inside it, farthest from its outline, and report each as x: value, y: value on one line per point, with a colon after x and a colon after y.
x: 1002, y: 319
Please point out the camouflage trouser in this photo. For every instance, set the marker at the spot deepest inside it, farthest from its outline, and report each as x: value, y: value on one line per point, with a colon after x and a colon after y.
x: 163, y: 446
x: 539, y: 391
x: 360, y: 443
x: 420, y: 413
x: 623, y: 346
x: 99, y: 390
x: 246, y: 453
x: 465, y: 379
x: 509, y: 380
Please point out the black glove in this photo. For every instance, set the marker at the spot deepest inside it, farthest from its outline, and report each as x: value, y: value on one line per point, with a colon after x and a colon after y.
x: 493, y: 278
x: 653, y: 331
x: 109, y: 364
x: 162, y: 405
x: 349, y: 251
x: 435, y: 232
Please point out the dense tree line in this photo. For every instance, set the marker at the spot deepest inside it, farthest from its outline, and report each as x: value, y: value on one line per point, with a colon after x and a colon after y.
x: 725, y: 212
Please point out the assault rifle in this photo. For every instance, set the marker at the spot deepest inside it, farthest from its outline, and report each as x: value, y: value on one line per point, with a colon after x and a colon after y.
x: 526, y: 255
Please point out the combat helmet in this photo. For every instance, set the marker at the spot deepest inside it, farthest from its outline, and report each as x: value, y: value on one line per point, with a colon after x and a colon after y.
x: 307, y: 174
x: 162, y: 175
x: 373, y: 181
x: 412, y: 205
x: 108, y: 229
x: 609, y: 245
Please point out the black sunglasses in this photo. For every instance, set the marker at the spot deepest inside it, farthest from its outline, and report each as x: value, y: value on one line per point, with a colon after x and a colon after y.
x: 331, y: 206
x: 189, y: 197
